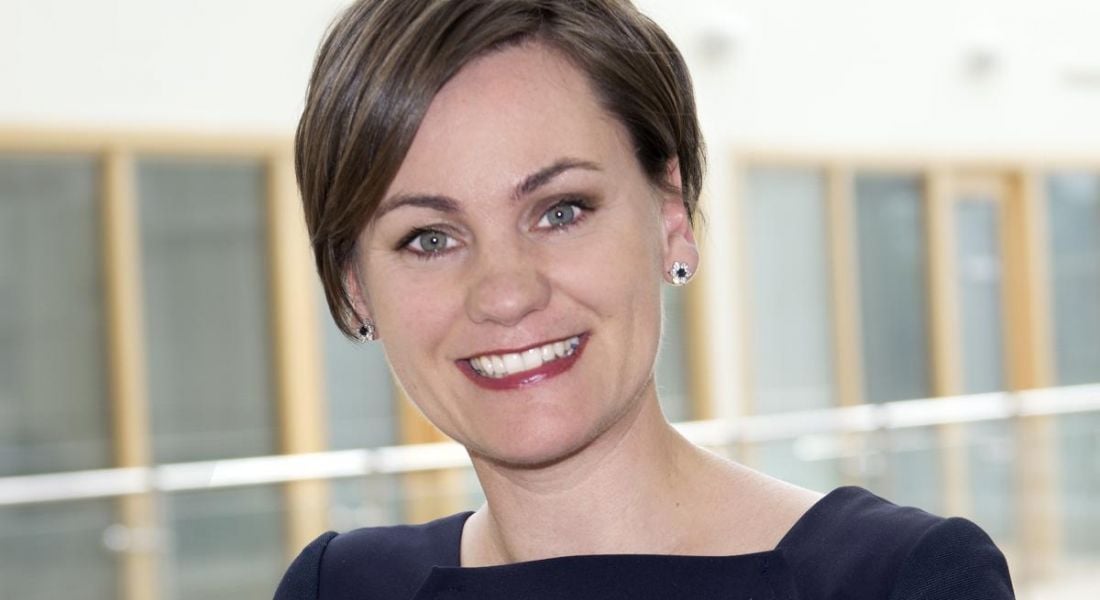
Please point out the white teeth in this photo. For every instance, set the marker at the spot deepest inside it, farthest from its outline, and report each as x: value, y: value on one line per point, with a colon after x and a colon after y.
x: 498, y: 366
x: 532, y: 359
x: 513, y: 363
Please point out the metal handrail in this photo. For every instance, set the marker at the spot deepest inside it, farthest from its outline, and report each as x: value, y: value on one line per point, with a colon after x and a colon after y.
x: 387, y: 460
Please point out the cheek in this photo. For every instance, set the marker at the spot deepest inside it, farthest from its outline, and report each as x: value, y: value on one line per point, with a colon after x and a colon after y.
x: 413, y: 324
x: 628, y: 256
x: 413, y: 315
x: 615, y: 271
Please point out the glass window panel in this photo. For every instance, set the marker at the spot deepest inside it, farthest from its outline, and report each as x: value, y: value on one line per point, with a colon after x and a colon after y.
x: 789, y: 308
x: 1074, y: 226
x: 206, y: 314
x: 1079, y: 466
x: 990, y: 446
x: 224, y: 544
x: 361, y: 414
x: 366, y: 501
x: 911, y: 473
x: 53, y: 388
x: 359, y: 388
x: 979, y: 278
x: 893, y: 288
x: 50, y: 551
x: 991, y: 452
x: 812, y: 461
x: 893, y: 308
x: 671, y: 366
x: 1074, y: 218
x: 473, y: 496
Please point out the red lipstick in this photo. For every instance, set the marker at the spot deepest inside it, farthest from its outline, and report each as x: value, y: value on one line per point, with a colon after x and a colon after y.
x: 526, y: 378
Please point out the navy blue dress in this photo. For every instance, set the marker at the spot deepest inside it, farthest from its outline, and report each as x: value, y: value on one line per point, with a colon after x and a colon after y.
x: 851, y: 545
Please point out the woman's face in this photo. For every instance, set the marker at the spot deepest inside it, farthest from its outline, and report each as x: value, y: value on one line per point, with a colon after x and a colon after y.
x: 514, y: 267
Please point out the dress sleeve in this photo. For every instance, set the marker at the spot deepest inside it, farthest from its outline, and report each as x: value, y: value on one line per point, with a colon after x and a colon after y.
x: 954, y: 560
x: 302, y: 579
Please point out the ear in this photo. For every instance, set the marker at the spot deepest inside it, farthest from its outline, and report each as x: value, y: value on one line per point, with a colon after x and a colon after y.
x: 356, y: 293
x: 678, y: 236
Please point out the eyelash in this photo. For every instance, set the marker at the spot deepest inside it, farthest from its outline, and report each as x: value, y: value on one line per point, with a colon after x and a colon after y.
x: 584, y: 205
x: 403, y: 245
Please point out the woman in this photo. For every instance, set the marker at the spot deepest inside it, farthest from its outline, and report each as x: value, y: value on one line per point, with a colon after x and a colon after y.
x: 496, y: 190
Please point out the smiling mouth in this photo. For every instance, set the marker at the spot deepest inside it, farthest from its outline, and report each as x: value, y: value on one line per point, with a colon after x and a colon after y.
x: 499, y: 366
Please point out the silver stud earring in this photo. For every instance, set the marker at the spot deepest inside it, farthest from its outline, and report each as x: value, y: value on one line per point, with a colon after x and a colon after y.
x: 680, y: 273
x: 367, y: 332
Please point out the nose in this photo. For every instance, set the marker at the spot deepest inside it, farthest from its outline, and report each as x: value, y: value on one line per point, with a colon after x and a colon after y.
x: 506, y: 286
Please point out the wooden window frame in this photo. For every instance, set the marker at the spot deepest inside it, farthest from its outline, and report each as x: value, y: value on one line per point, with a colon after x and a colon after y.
x: 295, y: 360
x: 1028, y: 343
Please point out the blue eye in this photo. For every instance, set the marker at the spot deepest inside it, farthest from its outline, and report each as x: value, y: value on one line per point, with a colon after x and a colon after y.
x: 431, y: 242
x: 427, y: 243
x: 562, y: 215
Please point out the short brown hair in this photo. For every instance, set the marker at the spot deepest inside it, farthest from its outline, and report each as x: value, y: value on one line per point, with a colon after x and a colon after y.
x: 383, y: 61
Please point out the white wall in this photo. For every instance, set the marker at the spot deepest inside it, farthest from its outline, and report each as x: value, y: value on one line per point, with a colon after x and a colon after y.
x: 236, y: 65
x: 899, y: 74
x: 805, y: 73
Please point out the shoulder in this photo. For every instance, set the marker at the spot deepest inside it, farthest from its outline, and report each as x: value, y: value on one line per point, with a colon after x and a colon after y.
x: 853, y: 544
x: 301, y: 580
x: 372, y: 562
x: 954, y: 559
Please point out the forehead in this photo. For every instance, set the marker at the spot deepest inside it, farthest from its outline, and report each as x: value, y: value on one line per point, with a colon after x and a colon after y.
x: 503, y: 116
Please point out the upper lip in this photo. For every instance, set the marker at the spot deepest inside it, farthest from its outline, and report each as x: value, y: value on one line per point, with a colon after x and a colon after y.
x: 522, y: 349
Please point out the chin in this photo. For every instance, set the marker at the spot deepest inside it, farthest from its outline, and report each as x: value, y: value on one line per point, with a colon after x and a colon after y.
x: 527, y: 447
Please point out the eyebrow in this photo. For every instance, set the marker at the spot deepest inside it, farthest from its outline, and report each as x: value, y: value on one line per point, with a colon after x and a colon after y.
x: 529, y: 184
x: 543, y: 176
x: 437, y: 203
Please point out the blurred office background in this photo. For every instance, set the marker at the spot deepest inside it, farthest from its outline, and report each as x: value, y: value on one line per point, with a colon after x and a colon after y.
x: 901, y: 286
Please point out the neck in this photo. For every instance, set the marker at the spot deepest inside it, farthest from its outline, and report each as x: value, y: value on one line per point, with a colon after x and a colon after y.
x: 633, y: 490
